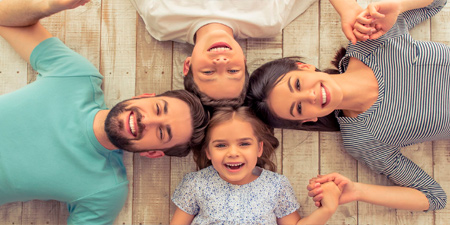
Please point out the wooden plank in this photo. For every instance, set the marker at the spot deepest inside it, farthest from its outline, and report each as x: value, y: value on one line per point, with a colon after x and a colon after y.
x: 154, y: 75
x: 301, y: 148
x: 118, y: 66
x: 333, y: 157
x: 440, y: 26
x: 441, y: 167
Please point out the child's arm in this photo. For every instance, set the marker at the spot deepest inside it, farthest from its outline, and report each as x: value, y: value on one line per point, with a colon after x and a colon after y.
x: 321, y: 215
x: 181, y: 217
x: 390, y: 196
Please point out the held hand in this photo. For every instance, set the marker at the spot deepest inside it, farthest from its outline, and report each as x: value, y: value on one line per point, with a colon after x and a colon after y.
x: 377, y: 19
x: 331, y: 194
x: 347, y: 187
x: 348, y: 20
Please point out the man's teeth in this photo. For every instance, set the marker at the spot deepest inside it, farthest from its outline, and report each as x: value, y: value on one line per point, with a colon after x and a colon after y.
x: 324, y: 96
x: 218, y: 49
x: 133, y: 130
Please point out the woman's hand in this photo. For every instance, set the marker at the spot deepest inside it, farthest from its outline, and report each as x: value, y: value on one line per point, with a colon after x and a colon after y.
x: 377, y: 19
x: 55, y: 6
x: 347, y: 187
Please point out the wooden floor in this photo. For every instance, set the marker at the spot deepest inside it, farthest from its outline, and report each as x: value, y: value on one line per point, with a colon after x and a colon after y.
x: 113, y: 38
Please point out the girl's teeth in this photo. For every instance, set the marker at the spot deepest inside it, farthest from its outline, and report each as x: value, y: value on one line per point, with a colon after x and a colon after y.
x: 324, y: 96
x: 131, y: 122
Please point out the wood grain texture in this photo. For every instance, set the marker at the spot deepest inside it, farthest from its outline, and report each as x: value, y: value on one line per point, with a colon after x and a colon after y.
x: 111, y: 35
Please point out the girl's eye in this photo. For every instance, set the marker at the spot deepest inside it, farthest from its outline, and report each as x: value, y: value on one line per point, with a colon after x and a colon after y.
x: 299, y: 108
x: 233, y: 71
x: 220, y: 145
x: 297, y: 84
x: 245, y: 144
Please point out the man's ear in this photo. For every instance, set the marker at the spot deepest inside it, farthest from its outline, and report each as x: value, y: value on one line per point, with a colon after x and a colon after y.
x: 145, y: 95
x: 304, y: 66
x: 310, y: 120
x: 152, y: 154
x: 187, y: 64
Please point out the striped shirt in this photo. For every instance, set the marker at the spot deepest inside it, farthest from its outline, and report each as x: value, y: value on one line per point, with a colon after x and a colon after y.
x: 412, y: 105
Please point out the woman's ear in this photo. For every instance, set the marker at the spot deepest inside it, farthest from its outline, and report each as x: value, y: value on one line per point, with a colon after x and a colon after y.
x: 310, y: 120
x: 304, y: 66
x: 186, y: 65
x: 260, y: 148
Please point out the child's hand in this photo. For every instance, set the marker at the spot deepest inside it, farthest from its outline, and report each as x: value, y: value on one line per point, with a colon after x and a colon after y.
x: 331, y: 194
x: 346, y: 186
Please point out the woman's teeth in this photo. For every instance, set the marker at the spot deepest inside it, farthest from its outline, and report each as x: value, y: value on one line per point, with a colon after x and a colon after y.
x: 324, y: 96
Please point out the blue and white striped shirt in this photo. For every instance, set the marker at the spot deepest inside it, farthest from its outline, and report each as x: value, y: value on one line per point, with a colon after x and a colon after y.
x: 413, y: 104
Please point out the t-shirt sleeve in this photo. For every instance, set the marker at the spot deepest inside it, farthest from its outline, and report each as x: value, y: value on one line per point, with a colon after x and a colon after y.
x: 389, y: 161
x: 287, y: 202
x: 416, y: 16
x: 184, y: 196
x: 53, y: 58
x: 99, y: 208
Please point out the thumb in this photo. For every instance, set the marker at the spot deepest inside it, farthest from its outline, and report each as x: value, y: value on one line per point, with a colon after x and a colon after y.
x: 348, y: 32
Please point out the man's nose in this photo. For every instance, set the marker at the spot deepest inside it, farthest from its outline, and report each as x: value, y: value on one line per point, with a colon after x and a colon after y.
x: 154, y: 120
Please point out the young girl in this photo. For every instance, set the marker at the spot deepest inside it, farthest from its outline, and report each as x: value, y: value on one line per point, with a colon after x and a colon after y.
x: 233, y: 186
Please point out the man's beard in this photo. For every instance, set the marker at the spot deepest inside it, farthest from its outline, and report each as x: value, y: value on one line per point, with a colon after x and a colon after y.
x: 113, y: 127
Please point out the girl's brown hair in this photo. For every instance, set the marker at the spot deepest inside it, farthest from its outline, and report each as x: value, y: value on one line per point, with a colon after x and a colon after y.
x: 261, y: 131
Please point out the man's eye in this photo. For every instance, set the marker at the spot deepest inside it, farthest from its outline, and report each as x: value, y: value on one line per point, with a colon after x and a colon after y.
x: 297, y: 84
x: 299, y: 108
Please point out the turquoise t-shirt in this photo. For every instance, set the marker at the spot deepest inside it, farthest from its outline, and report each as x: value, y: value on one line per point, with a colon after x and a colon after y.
x: 48, y: 147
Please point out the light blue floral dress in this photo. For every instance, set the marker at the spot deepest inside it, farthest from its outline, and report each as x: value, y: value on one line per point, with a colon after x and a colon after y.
x: 214, y: 201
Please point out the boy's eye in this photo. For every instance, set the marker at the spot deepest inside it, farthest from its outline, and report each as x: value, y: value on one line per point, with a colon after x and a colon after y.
x: 207, y: 72
x: 297, y: 84
x: 233, y: 71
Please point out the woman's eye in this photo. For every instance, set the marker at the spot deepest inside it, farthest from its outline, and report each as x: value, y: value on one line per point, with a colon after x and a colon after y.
x: 299, y: 108
x: 297, y: 84
x: 158, y: 110
x: 160, y: 133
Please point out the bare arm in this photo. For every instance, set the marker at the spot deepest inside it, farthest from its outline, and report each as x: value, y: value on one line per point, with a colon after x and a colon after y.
x: 321, y: 215
x: 389, y: 196
x: 348, y: 10
x: 19, y: 22
x: 181, y: 217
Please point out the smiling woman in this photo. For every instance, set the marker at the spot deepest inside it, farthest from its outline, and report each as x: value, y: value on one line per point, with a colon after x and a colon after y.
x: 386, y: 97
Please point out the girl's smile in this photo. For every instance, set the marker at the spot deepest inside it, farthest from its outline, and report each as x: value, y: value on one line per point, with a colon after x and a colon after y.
x: 234, y: 150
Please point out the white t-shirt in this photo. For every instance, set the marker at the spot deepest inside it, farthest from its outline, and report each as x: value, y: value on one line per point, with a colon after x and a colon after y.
x: 179, y: 20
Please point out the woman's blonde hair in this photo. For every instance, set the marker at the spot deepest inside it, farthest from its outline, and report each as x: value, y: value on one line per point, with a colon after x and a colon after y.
x: 261, y: 131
